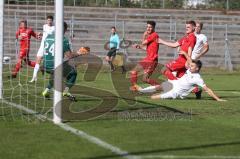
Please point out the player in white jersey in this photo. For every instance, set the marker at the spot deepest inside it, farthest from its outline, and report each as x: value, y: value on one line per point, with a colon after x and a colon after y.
x: 183, y: 86
x: 47, y: 29
x: 201, y: 47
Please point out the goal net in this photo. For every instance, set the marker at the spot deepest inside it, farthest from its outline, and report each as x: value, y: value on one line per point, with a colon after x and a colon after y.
x: 18, y: 88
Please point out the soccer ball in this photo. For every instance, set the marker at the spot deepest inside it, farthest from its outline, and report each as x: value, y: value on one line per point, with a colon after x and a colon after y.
x: 6, y: 59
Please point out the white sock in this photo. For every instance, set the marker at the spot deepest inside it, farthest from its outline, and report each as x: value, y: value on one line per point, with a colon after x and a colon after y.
x: 149, y: 89
x: 47, y: 89
x: 36, y: 68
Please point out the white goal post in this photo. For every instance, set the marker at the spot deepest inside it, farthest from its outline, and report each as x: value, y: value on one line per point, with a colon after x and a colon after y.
x: 1, y: 47
x: 58, y: 59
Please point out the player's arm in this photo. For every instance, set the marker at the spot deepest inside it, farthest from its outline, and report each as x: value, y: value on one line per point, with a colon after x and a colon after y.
x: 212, y: 94
x: 36, y: 34
x: 145, y: 35
x: 70, y: 54
x: 204, y: 50
x: 187, y: 55
x: 142, y: 45
x: 169, y: 44
x: 82, y: 51
x: 18, y: 36
x: 146, y: 39
x: 139, y: 46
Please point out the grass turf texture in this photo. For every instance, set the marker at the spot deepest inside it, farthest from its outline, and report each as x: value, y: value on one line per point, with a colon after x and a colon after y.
x: 168, y: 127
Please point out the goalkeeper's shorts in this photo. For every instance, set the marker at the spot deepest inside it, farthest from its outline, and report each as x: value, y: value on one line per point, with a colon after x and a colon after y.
x: 112, y: 52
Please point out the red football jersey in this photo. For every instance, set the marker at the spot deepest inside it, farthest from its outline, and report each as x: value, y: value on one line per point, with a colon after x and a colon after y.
x: 25, y: 34
x: 186, y: 42
x: 152, y: 47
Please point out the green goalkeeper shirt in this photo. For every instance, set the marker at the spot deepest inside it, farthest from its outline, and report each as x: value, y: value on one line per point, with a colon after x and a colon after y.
x: 49, y: 51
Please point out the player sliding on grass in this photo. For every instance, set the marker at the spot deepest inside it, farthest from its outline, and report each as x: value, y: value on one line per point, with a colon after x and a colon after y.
x: 149, y: 63
x: 24, y: 34
x: 186, y: 44
x: 181, y: 87
x: 47, y: 29
x: 69, y: 72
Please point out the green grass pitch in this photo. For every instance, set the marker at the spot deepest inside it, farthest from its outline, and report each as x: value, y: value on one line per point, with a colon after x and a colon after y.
x: 149, y: 129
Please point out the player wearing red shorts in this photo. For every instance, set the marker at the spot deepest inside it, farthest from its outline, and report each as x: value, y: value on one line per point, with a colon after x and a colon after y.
x: 186, y: 44
x: 149, y: 63
x: 24, y: 34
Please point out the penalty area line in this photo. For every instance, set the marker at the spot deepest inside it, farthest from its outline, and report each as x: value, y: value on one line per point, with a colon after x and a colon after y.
x: 77, y: 132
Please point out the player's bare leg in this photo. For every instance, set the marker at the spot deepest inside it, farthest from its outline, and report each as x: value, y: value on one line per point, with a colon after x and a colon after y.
x: 17, y: 68
x: 109, y: 60
x: 156, y: 96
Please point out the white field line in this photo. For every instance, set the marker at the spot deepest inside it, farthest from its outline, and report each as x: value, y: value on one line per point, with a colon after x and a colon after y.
x: 110, y: 147
x: 190, y: 157
x: 234, y: 92
x: 77, y: 132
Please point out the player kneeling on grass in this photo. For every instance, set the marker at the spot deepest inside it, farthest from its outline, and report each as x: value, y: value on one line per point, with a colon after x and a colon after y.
x: 69, y: 71
x: 183, y: 86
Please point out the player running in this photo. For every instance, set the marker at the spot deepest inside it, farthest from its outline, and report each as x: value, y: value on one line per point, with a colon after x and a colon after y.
x: 150, y: 62
x: 186, y: 44
x: 181, y: 87
x: 47, y: 29
x: 24, y: 34
x: 69, y: 72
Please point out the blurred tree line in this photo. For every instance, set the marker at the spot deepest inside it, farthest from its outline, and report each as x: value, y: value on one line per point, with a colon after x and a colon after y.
x: 168, y: 4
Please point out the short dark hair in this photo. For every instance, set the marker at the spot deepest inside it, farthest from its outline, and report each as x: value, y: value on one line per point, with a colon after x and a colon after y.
x: 198, y: 63
x: 23, y: 21
x: 193, y: 23
x: 152, y: 23
x: 113, y: 27
x: 200, y: 23
x: 50, y: 17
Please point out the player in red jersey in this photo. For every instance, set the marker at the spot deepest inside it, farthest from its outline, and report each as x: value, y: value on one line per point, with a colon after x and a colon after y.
x: 149, y: 63
x: 24, y: 34
x: 186, y: 44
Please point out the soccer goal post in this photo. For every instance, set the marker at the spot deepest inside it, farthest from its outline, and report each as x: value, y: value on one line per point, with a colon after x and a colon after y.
x: 1, y: 47
x: 58, y: 60
x: 19, y: 90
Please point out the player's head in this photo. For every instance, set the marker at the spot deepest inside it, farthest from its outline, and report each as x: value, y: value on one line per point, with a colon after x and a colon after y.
x: 190, y: 26
x: 50, y: 20
x: 151, y: 26
x: 65, y: 26
x: 23, y: 24
x: 195, y: 66
x: 199, y: 26
x: 113, y: 30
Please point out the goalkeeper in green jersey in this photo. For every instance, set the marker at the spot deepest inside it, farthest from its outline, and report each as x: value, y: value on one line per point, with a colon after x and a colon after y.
x: 69, y: 71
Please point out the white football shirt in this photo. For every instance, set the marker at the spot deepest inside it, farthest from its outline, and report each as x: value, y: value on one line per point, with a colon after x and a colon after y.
x: 183, y: 86
x: 200, y: 42
x: 46, y: 31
